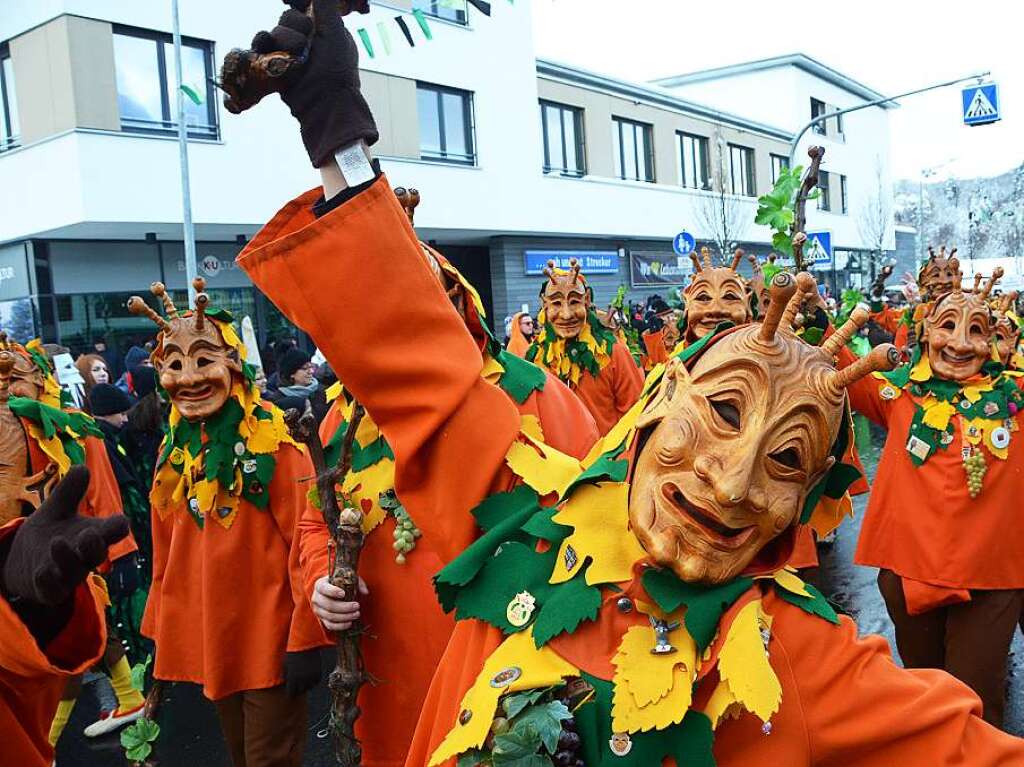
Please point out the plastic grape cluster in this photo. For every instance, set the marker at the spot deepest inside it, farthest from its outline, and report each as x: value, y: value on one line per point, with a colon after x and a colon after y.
x: 976, y: 468
x: 406, y: 534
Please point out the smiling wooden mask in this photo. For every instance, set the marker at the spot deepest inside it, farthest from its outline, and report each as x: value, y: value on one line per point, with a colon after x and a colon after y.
x: 737, y: 437
x: 940, y: 273
x: 565, y: 299
x: 195, y: 364
x: 959, y: 331
x: 716, y: 295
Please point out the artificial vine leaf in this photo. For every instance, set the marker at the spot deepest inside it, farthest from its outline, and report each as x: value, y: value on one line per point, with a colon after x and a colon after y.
x: 816, y: 604
x: 514, y: 569
x: 569, y: 605
x: 521, y: 378
x: 541, y: 525
x: 514, y: 703
x: 546, y: 720
x: 704, y: 604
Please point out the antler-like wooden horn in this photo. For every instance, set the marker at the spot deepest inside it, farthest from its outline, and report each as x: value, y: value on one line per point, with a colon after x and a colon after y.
x: 574, y: 268
x: 697, y: 268
x: 737, y: 256
x: 882, y: 357
x: 159, y: 290
x: 705, y: 253
x: 805, y: 286
x: 782, y: 289
x: 843, y: 334
x: 755, y: 264
x: 549, y: 270
x: 202, y: 301
x: 140, y: 308
x: 997, y: 274
x: 977, y: 281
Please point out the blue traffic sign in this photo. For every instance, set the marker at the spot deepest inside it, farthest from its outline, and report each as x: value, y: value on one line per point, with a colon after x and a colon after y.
x: 684, y: 244
x: 981, y: 104
x: 818, y: 249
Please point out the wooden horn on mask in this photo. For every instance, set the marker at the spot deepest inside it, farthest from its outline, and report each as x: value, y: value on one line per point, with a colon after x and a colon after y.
x: 737, y: 256
x: 883, y: 357
x: 159, y: 290
x: 782, y: 288
x: 705, y: 253
x: 805, y: 286
x: 843, y: 334
x: 549, y: 270
x: 6, y: 369
x: 140, y: 308
x: 697, y: 268
x: 574, y: 269
x: 997, y: 274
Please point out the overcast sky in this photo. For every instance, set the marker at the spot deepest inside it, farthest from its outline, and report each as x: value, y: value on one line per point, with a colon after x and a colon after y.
x: 889, y: 45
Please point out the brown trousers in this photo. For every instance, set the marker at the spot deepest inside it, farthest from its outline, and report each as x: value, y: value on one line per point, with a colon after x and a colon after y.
x: 970, y: 640
x: 264, y: 728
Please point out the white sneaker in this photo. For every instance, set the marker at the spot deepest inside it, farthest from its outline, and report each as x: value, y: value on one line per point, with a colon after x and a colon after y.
x: 112, y: 720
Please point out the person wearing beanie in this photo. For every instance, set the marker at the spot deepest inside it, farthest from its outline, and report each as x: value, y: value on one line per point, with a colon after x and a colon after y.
x: 297, y: 382
x: 134, y: 360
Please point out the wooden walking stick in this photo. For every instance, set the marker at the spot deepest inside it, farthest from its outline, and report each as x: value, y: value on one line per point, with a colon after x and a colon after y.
x: 816, y: 153
x: 345, y: 526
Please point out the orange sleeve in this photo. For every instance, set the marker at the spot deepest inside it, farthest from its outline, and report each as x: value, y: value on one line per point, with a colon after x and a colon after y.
x: 629, y: 380
x: 409, y: 359
x: 888, y: 319
x: 288, y: 502
x: 862, y: 710
x: 103, y: 498
x: 902, y: 336
x: 567, y: 424
x: 864, y: 396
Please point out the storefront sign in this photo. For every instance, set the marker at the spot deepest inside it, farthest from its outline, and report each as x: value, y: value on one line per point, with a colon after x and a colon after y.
x: 13, y: 272
x: 650, y: 269
x: 591, y: 261
x: 215, y: 263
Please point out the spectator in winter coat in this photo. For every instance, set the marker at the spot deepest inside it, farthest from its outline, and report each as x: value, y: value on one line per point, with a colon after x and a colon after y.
x: 297, y: 382
x: 94, y: 371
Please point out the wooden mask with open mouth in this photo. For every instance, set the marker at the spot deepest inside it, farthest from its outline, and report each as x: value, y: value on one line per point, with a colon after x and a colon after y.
x: 716, y: 295
x: 737, y: 437
x: 566, y: 299
x: 959, y: 331
x: 940, y: 274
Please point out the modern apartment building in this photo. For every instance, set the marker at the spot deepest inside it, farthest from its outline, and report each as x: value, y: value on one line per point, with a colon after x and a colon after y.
x: 518, y: 159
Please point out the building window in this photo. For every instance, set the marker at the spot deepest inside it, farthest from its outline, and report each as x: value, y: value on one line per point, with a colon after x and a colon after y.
x: 146, y: 91
x: 824, y: 201
x: 741, y: 170
x: 839, y: 124
x: 9, y: 126
x: 446, y: 124
x: 844, y: 200
x: 634, y: 150
x: 563, y: 139
x: 449, y: 10
x: 695, y: 162
x: 817, y: 110
x: 779, y: 163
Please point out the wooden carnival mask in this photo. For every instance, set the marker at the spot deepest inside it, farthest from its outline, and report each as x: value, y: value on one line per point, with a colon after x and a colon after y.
x: 737, y: 442
x: 25, y: 378
x: 671, y: 335
x: 716, y: 295
x: 1007, y: 331
x: 958, y: 332
x: 566, y: 299
x: 196, y: 366
x: 940, y: 274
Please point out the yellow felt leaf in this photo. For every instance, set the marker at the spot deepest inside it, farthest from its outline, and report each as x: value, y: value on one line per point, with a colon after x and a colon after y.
x: 973, y: 430
x: 791, y: 582
x: 627, y: 716
x: 973, y: 392
x: 367, y: 432
x: 922, y: 371
x: 369, y: 484
x: 648, y: 677
x: 537, y: 668
x: 937, y: 416
x: 743, y: 664
x: 599, y: 515
x: 52, y: 447
x: 721, y: 704
x: 530, y: 426
x: 492, y: 369
x: 542, y: 467
x: 205, y: 493
x: 333, y: 391
x: 618, y: 433
x: 829, y: 513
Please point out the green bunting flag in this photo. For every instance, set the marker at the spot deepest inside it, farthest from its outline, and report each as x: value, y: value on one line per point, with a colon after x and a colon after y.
x: 385, y: 38
x: 483, y: 7
x: 422, y: 21
x: 365, y: 37
x: 405, y: 31
x: 193, y: 95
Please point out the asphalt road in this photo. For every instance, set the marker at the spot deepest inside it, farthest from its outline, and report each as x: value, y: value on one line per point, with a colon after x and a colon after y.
x: 191, y: 736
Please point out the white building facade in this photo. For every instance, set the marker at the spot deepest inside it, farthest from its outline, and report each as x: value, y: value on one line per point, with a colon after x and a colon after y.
x: 517, y: 159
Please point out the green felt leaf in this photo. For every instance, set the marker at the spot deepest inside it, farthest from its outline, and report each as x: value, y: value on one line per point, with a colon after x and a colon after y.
x: 704, y: 604
x: 692, y: 740
x: 817, y: 604
x: 546, y: 720
x: 521, y: 378
x: 839, y: 479
x: 514, y: 569
x: 221, y: 315
x: 571, y: 603
x: 604, y: 469
x: 497, y: 509
x: 542, y: 525
x: 516, y: 702
x: 139, y: 752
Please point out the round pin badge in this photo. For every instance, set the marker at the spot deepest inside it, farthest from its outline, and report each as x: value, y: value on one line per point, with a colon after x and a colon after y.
x: 887, y: 393
x: 1000, y: 438
x: 520, y: 609
x: 505, y: 677
x: 620, y: 744
x: 239, y: 449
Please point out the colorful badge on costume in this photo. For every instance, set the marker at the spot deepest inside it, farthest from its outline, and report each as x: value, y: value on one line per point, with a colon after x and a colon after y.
x: 940, y: 274
x: 715, y: 295
x: 520, y: 609
x: 620, y: 744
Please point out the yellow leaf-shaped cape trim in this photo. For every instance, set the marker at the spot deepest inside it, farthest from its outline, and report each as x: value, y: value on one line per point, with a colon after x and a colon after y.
x: 743, y: 664
x: 542, y: 467
x: 537, y: 668
x: 652, y: 691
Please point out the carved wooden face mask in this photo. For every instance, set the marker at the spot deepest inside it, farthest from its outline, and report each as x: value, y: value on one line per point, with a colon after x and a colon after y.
x: 958, y: 333
x: 566, y: 299
x: 737, y: 442
x: 1007, y: 331
x: 940, y: 274
x: 196, y: 366
x: 671, y: 335
x: 716, y: 295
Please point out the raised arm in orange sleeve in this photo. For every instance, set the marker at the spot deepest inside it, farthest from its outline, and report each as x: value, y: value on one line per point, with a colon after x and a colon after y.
x: 628, y: 378
x: 862, y: 710
x: 422, y: 385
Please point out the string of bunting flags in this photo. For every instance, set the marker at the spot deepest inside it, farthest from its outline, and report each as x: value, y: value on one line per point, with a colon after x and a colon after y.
x: 384, y: 34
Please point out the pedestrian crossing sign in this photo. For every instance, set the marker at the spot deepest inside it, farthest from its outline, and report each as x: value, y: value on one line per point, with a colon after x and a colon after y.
x: 981, y: 104
x: 818, y: 250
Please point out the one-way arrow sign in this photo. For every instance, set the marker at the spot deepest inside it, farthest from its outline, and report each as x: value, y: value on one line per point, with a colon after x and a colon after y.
x: 981, y: 104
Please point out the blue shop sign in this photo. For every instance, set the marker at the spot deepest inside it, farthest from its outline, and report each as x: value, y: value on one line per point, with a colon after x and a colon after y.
x: 591, y: 261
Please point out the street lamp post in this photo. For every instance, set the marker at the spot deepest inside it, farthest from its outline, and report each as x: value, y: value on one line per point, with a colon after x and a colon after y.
x: 186, y: 192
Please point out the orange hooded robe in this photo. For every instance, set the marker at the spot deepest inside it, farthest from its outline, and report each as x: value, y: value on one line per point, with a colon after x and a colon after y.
x: 845, y: 702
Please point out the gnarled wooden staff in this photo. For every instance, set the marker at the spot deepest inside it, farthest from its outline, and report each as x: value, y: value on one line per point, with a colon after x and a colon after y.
x: 346, y: 530
x: 816, y: 153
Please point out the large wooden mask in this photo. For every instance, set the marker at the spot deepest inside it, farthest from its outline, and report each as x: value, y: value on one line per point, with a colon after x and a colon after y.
x: 1007, y: 331
x: 566, y: 299
x: 25, y: 379
x: 940, y: 274
x: 959, y: 331
x: 196, y: 366
x: 716, y: 295
x: 735, y: 443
